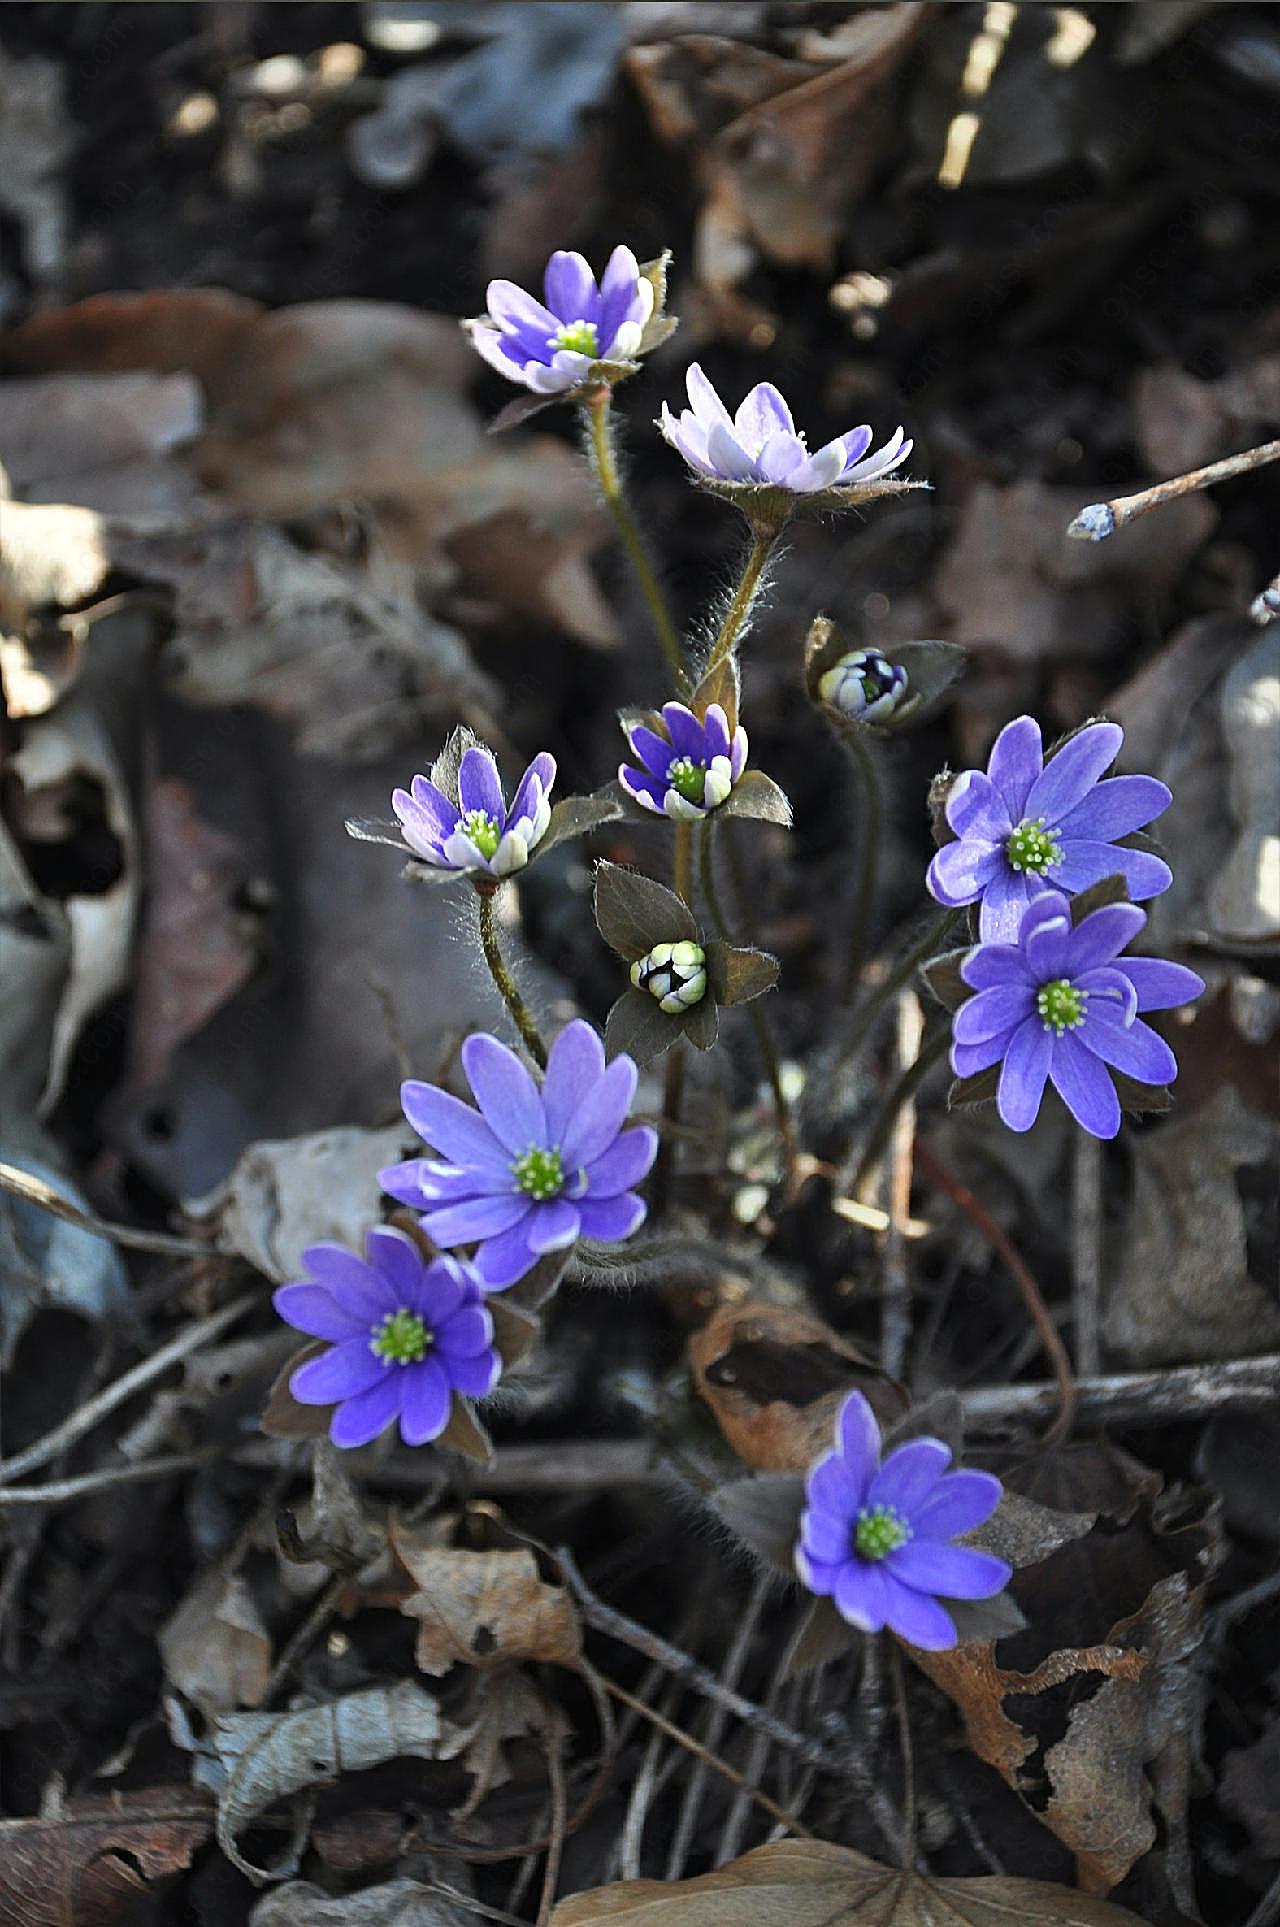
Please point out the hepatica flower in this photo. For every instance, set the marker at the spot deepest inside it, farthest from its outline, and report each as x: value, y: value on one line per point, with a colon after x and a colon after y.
x: 688, y: 771
x: 531, y: 1170
x: 876, y: 1537
x: 1061, y: 1005
x: 760, y: 445
x: 553, y: 345
x: 1025, y: 823
x: 864, y: 686
x: 405, y: 1336
x: 475, y: 833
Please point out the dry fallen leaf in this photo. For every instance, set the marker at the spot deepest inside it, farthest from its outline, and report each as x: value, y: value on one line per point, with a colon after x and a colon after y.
x: 395, y: 1903
x: 814, y: 1883
x: 215, y: 1647
x: 96, y: 1862
x: 484, y: 1608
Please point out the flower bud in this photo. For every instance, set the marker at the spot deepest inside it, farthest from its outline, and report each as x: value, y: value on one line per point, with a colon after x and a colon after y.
x: 674, y: 974
x: 864, y: 686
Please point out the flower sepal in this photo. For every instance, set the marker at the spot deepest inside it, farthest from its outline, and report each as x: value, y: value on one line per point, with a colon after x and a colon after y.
x: 767, y: 509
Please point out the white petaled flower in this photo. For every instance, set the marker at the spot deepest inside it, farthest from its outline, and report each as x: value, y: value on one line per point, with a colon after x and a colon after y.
x: 760, y: 446
x: 864, y: 686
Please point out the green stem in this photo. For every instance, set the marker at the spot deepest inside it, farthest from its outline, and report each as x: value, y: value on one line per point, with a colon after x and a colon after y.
x: 736, y: 614
x: 905, y: 1088
x: 598, y: 412
x: 682, y: 861
x: 868, y: 862
x: 759, y: 1022
x: 865, y: 1015
x: 668, y: 1138
x: 506, y: 982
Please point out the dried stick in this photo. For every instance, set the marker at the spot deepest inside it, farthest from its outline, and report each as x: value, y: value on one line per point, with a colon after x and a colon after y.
x: 33, y: 1190
x: 1101, y: 519
x: 64, y: 1491
x: 895, y: 1290
x: 1086, y: 1249
x: 95, y: 1409
x: 1169, y: 1397
x: 735, y: 1660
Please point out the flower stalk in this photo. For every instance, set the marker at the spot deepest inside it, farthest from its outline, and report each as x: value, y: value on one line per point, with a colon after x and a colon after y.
x: 506, y: 983
x: 597, y: 411
x: 743, y: 596
x: 869, y: 857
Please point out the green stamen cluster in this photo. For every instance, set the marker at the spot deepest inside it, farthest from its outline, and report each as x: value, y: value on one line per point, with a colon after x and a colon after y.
x: 673, y: 973
x: 483, y: 831
x: 689, y: 778
x: 1061, y: 1005
x: 401, y: 1338
x: 880, y: 1530
x: 1033, y: 849
x: 539, y: 1173
x: 579, y: 337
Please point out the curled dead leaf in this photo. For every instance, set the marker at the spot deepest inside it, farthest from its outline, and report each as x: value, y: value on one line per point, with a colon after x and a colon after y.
x: 99, y: 1860
x: 484, y: 1608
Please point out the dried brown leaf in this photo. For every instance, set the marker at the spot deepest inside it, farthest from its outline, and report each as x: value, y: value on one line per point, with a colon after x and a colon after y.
x: 97, y: 1862
x: 484, y: 1608
x: 814, y: 1883
x: 215, y: 1648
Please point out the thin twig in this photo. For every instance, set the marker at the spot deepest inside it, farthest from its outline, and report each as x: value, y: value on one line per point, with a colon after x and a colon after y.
x: 735, y: 1660
x: 1086, y: 1249
x: 869, y: 837
x: 1101, y: 519
x: 597, y: 413
x: 901, y: 1707
x: 1171, y: 1397
x: 882, y: 1131
x: 1019, y: 1271
x: 508, y: 989
x: 86, y: 1416
x: 895, y: 1288
x: 558, y: 1826
x: 34, y: 1191
x: 64, y: 1491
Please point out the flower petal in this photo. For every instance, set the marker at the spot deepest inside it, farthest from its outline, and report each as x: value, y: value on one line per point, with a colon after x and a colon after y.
x: 960, y: 872
x: 860, y: 1595
x: 782, y: 458
x: 1046, y: 944
x: 909, y: 1474
x: 350, y: 1279
x: 967, y: 1060
x: 570, y: 287
x: 992, y: 1013
x: 515, y: 309
x: 453, y: 1128
x: 504, y: 1259
x: 360, y: 1419
x: 625, y: 1162
x: 479, y: 786
x: 823, y: 468
x: 408, y: 1184
x: 315, y: 1310
x: 654, y: 751
x: 762, y: 413
x: 1082, y: 1083
x: 1101, y: 936
x: 535, y: 784
x: 505, y: 1092
x: 819, y: 1576
x: 552, y: 1226
x: 688, y: 737
x: 826, y: 1537
x: 975, y: 808
x: 959, y: 1501
x: 706, y: 404
x: 1116, y: 807
x: 858, y: 1442
x: 395, y: 1257
x: 463, y: 1224
x: 1110, y: 993
x: 625, y: 298
x: 730, y: 460
x: 465, y: 1332
x: 476, y: 1374
x: 1023, y: 1074
x: 957, y: 1572
x: 575, y: 1066
x: 1015, y: 763
x: 1084, y: 863
x: 599, y: 1116
x: 343, y: 1372
x: 1135, y: 1049
x: 856, y: 443
x: 610, y: 1220
x: 447, y: 1285
x: 919, y: 1620
x: 990, y: 965
x: 426, y: 1401
x: 1069, y: 775
x: 1004, y: 904
x: 1161, y: 985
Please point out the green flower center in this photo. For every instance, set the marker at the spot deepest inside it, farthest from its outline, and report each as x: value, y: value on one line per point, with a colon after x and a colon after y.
x: 881, y: 1529
x: 539, y: 1173
x: 1033, y: 849
x: 482, y: 829
x: 579, y: 337
x: 688, y: 777
x: 1061, y: 1005
x: 673, y: 973
x: 401, y: 1338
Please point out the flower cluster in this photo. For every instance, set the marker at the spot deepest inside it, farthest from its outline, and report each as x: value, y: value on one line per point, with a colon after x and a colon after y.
x: 1025, y: 823
x: 404, y: 1336
x: 530, y: 1171
x: 876, y: 1537
x: 555, y: 345
x: 1061, y: 1005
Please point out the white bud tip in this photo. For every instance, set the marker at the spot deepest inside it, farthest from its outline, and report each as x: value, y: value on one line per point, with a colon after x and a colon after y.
x: 1094, y: 523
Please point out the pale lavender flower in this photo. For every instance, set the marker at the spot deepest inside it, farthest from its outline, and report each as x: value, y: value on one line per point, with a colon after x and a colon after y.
x: 691, y: 770
x: 551, y: 346
x: 1062, y: 1004
x: 761, y: 446
x: 876, y: 1538
x: 1025, y: 824
x: 532, y: 1170
x: 478, y: 835
x: 406, y: 1335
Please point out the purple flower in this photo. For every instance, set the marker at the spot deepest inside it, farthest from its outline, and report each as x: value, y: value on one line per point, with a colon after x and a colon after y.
x: 761, y: 446
x: 1027, y: 823
x: 876, y: 1537
x: 532, y: 1170
x: 477, y: 834
x: 407, y: 1335
x: 552, y: 348
x: 1061, y: 1005
x: 864, y: 686
x: 688, y: 772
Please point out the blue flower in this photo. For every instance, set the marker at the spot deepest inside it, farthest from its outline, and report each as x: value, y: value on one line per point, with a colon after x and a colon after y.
x: 691, y: 770
x: 478, y: 835
x: 1060, y: 1005
x: 761, y: 445
x: 1025, y: 824
x: 532, y: 1170
x: 553, y: 346
x: 864, y: 686
x: 876, y: 1538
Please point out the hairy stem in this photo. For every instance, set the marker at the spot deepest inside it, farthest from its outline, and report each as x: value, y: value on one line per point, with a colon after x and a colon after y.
x: 920, y: 952
x: 759, y: 1022
x: 869, y: 855
x: 506, y: 982
x: 597, y: 410
x: 907, y: 1084
x: 743, y: 596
